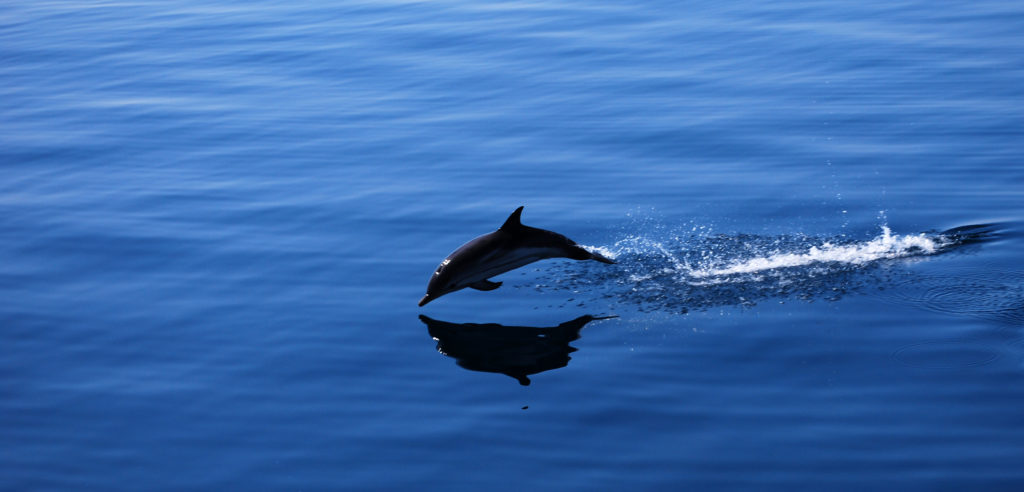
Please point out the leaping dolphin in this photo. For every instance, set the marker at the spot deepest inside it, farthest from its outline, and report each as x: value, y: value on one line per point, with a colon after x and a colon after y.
x: 511, y: 246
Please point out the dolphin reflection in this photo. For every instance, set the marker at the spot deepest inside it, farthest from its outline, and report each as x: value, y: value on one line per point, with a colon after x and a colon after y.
x: 516, y: 351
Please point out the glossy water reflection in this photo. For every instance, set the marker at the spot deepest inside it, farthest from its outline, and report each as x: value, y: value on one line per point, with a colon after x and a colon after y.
x: 515, y: 351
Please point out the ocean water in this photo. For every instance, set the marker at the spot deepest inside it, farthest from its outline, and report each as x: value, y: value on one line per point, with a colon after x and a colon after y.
x: 216, y: 220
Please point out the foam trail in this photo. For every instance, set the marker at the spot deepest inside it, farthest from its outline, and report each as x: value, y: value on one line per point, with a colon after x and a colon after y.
x: 700, y: 270
x: 886, y: 246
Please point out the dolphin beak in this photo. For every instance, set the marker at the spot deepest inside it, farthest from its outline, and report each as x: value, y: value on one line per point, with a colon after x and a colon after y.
x: 425, y: 300
x: 601, y: 258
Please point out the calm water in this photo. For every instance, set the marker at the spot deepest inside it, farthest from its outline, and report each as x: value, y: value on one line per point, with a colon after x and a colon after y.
x: 216, y: 220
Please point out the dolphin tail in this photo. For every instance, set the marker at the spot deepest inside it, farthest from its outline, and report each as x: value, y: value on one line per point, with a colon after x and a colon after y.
x: 601, y: 258
x: 578, y: 253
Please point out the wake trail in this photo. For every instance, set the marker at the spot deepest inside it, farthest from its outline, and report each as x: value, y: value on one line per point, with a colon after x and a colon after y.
x: 884, y: 247
x: 700, y: 271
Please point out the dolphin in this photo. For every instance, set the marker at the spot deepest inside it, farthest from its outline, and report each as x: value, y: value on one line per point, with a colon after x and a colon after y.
x: 511, y: 246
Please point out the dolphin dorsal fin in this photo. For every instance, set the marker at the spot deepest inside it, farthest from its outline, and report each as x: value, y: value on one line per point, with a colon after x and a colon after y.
x: 512, y: 222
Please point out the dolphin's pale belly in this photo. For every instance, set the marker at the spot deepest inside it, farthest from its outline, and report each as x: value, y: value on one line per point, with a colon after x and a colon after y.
x: 504, y: 260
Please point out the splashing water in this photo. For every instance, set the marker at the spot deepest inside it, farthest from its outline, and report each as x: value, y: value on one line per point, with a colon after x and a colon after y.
x: 701, y: 271
x: 886, y: 246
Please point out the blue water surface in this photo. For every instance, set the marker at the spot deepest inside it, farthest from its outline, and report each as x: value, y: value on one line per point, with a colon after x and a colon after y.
x: 216, y: 219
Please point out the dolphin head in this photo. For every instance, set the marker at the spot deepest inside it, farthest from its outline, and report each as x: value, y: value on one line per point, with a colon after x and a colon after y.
x: 442, y: 282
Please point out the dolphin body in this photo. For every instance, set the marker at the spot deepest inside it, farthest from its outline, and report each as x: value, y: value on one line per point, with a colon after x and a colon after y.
x: 511, y: 246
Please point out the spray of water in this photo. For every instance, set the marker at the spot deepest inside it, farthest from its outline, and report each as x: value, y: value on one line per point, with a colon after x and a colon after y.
x: 700, y: 270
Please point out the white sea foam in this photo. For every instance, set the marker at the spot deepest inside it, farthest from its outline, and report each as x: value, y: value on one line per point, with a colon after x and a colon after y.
x: 661, y: 270
x: 885, y: 246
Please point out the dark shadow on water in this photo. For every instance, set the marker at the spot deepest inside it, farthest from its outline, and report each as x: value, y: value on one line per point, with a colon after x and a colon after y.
x: 975, y: 233
x: 515, y: 351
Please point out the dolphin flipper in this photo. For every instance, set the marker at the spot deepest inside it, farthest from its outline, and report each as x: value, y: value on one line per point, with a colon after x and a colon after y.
x: 485, y: 285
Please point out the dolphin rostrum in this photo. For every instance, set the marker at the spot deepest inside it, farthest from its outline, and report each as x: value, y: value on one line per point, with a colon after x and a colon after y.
x: 511, y: 246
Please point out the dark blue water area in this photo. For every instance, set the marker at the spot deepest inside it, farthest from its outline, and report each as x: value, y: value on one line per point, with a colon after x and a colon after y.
x: 216, y: 220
